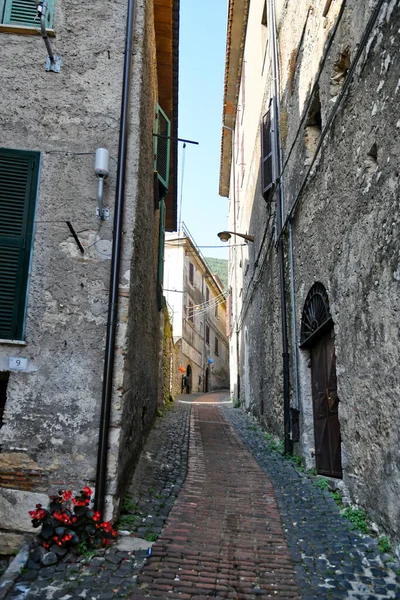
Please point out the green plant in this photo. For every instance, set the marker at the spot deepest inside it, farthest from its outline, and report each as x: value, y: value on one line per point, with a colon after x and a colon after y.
x: 312, y: 471
x: 160, y: 413
x: 71, y: 523
x: 276, y: 445
x: 128, y: 505
x: 84, y: 551
x: 384, y: 544
x: 151, y: 537
x: 337, y: 497
x: 321, y: 484
x: 126, y: 521
x: 236, y: 403
x: 296, y: 460
x: 357, y: 518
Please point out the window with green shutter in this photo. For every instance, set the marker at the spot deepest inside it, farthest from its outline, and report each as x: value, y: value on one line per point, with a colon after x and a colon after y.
x: 161, y: 241
x: 19, y: 172
x: 24, y: 13
x: 162, y: 147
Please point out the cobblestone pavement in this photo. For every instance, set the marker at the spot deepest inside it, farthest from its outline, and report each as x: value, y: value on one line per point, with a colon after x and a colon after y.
x: 221, y: 534
x: 330, y: 560
x: 158, y: 478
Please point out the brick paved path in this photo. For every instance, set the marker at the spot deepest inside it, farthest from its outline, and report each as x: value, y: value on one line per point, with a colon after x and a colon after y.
x: 222, y: 535
x: 223, y: 538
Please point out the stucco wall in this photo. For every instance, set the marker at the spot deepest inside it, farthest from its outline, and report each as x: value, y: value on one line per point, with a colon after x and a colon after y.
x: 52, y: 409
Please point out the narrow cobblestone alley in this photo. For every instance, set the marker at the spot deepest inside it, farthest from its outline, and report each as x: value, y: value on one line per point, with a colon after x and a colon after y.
x: 224, y: 537
x: 240, y: 522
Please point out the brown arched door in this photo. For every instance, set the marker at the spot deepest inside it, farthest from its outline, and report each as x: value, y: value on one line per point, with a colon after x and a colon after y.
x: 317, y: 334
x: 207, y: 381
x: 325, y: 405
x: 189, y: 379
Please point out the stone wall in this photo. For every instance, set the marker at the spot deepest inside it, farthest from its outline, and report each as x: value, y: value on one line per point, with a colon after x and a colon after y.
x: 345, y: 235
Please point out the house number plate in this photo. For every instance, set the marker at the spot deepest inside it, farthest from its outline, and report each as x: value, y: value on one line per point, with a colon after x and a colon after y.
x: 17, y: 364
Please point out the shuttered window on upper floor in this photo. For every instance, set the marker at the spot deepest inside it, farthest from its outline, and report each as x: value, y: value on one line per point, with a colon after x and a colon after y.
x: 162, y: 150
x: 24, y: 13
x: 19, y: 172
x: 267, y: 155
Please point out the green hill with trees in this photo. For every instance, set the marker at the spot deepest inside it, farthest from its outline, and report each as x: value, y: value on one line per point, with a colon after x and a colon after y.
x: 219, y: 266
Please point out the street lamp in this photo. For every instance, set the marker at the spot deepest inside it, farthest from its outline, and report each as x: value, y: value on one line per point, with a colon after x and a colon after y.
x: 224, y: 236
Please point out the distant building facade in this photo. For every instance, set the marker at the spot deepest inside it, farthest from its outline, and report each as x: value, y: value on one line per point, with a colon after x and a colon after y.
x: 310, y: 162
x: 197, y: 306
x: 80, y: 296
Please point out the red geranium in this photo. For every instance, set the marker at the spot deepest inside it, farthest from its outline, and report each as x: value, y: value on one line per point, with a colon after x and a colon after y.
x: 70, y: 521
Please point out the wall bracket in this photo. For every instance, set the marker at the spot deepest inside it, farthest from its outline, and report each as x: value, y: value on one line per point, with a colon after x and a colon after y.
x: 54, y: 65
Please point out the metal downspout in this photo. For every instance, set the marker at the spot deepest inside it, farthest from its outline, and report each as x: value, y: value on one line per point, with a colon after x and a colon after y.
x: 43, y: 11
x: 101, y: 473
x: 279, y: 219
x: 294, y: 323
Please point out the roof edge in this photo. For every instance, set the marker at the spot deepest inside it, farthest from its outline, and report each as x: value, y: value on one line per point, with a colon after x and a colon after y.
x: 235, y: 42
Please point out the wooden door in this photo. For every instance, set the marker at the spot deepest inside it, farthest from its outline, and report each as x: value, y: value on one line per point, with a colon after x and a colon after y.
x: 325, y: 404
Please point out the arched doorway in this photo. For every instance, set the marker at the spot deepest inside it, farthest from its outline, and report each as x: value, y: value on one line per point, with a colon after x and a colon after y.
x: 207, y: 380
x: 189, y: 379
x: 317, y: 335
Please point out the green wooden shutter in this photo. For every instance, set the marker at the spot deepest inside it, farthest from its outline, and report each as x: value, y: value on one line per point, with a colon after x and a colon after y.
x: 24, y: 12
x: 266, y: 155
x: 18, y: 188
x: 160, y: 272
x: 162, y: 146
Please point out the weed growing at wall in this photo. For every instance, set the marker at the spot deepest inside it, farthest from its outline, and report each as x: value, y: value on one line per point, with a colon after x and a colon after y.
x: 357, y: 518
x: 384, y: 545
x: 130, y: 515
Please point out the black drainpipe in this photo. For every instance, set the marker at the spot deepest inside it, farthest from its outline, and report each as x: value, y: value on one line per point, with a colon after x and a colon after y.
x: 101, y: 473
x: 288, y: 449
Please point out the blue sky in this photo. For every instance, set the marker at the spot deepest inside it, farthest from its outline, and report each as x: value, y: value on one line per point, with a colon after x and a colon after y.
x: 201, y: 83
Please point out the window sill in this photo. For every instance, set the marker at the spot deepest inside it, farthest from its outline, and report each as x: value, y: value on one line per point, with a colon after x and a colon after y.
x: 13, y: 342
x: 24, y: 30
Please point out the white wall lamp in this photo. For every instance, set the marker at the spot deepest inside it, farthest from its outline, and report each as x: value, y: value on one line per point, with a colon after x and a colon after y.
x: 101, y: 168
x: 225, y: 236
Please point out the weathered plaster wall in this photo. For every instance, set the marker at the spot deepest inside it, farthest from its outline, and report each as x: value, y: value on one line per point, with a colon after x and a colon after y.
x: 52, y: 411
x: 143, y: 334
x: 346, y: 235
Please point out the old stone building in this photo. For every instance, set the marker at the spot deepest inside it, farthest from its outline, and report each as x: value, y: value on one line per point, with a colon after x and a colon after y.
x: 197, y: 306
x: 80, y: 295
x: 310, y: 162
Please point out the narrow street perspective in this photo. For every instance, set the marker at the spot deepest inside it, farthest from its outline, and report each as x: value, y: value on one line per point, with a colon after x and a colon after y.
x: 199, y: 299
x: 234, y: 519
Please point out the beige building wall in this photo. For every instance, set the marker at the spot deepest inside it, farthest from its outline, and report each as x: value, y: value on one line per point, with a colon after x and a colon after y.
x: 193, y: 310
x: 52, y: 409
